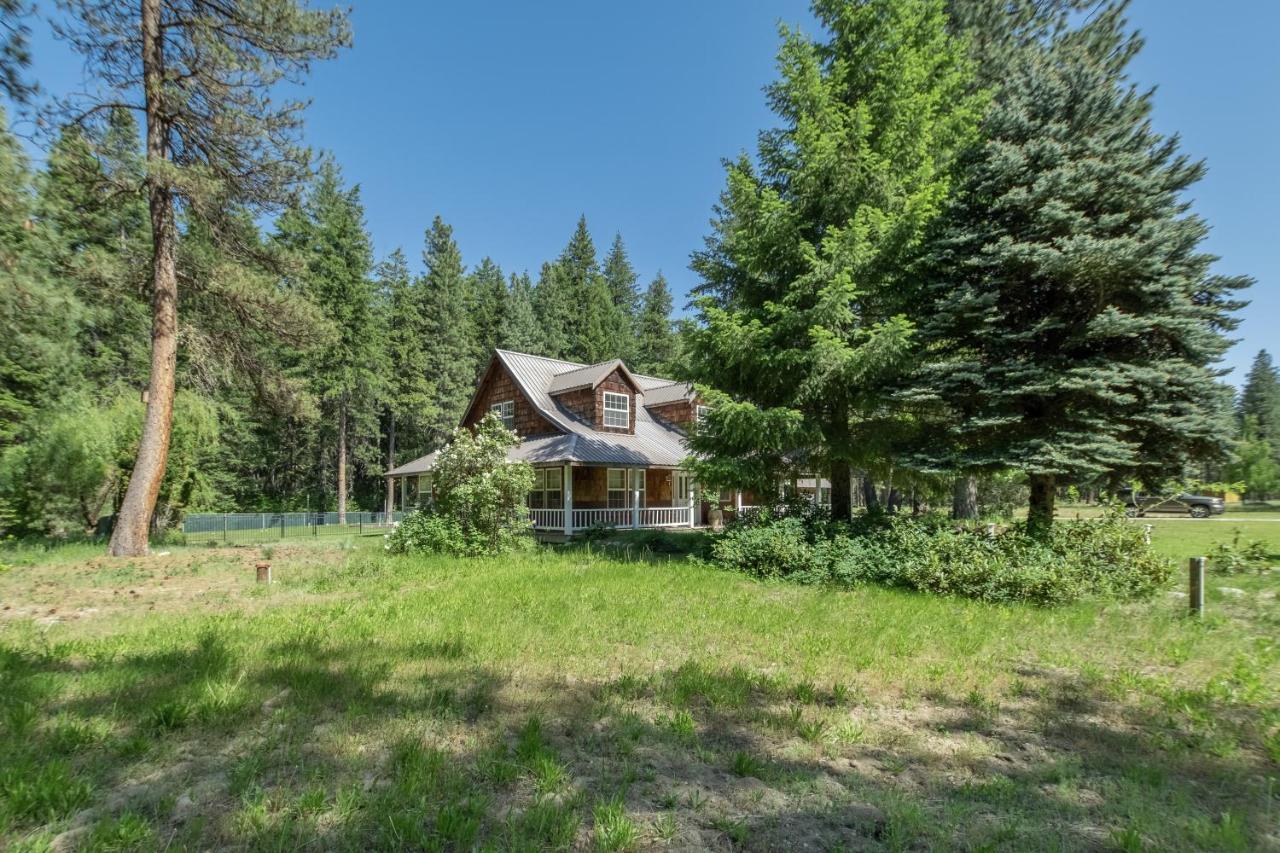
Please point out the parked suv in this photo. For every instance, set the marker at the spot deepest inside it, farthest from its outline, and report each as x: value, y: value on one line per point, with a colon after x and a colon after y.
x: 1197, y: 506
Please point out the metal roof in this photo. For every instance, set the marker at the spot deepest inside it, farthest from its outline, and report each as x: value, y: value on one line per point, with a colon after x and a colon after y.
x: 655, y: 443
x: 669, y: 393
x: 587, y: 377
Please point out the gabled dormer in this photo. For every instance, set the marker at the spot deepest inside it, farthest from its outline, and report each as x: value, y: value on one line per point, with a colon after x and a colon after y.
x: 500, y: 393
x: 676, y: 403
x: 603, y: 395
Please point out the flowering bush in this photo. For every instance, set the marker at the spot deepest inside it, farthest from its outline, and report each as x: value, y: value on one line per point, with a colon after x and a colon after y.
x: 479, y: 497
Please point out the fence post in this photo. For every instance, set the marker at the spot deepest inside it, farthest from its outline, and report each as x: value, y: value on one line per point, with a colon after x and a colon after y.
x: 1197, y: 586
x: 282, y: 525
x: 315, y: 525
x: 360, y: 530
x: 224, y: 529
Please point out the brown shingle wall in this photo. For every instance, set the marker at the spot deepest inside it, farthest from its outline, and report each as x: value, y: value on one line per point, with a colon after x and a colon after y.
x: 581, y: 402
x: 679, y: 412
x: 497, y: 386
x: 615, y: 383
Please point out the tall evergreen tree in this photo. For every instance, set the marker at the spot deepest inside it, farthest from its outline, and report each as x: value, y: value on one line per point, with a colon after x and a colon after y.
x: 346, y: 371
x: 655, y: 339
x: 450, y: 351
x: 519, y: 331
x: 216, y: 142
x: 1073, y: 317
x: 488, y: 298
x: 621, y: 278
x: 801, y: 305
x: 592, y: 324
x: 554, y: 308
x: 410, y: 390
x: 1260, y: 398
x: 39, y: 314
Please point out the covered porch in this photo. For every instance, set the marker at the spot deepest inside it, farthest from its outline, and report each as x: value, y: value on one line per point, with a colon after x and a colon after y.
x: 571, y: 497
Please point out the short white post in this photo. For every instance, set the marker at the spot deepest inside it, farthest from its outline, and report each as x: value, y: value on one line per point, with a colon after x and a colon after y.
x: 636, y: 474
x: 567, y: 491
x: 1146, y: 534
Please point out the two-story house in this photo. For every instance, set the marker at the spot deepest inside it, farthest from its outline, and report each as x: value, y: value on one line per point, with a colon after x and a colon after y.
x: 606, y: 444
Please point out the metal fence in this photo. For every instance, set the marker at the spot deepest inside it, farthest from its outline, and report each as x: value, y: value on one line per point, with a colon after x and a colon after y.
x: 273, y: 526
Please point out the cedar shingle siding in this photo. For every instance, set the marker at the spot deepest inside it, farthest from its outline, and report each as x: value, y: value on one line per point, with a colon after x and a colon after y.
x: 496, y: 386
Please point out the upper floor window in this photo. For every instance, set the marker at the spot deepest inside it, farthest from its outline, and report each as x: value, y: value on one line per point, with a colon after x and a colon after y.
x: 702, y: 413
x: 507, y: 411
x: 617, y: 410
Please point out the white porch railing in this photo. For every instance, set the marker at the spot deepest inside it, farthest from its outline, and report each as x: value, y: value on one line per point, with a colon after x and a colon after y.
x: 547, y: 519
x: 653, y: 516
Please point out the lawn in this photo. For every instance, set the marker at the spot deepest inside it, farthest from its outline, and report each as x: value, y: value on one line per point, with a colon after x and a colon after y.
x: 620, y: 698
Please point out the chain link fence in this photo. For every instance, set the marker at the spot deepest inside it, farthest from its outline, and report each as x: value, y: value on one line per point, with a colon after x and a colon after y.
x: 229, y: 527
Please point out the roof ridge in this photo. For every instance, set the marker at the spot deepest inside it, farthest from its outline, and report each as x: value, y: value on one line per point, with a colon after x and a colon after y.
x: 542, y: 357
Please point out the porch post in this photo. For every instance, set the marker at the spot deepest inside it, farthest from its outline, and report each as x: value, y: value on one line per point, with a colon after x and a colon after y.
x: 567, y: 490
x: 737, y: 502
x: 391, y: 497
x: 404, y: 493
x: 636, y: 474
x: 693, y: 500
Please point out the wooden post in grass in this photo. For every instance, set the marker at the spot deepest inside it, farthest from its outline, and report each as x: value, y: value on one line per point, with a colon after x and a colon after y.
x: 1197, y: 586
x: 1146, y: 534
x: 264, y: 572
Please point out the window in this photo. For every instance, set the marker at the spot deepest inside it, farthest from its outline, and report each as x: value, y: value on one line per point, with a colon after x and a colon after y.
x: 683, y: 486
x: 620, y: 483
x: 617, y: 410
x: 507, y: 411
x: 702, y: 412
x: 547, y: 489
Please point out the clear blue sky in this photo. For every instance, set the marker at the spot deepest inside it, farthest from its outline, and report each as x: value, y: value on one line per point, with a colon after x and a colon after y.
x: 510, y: 119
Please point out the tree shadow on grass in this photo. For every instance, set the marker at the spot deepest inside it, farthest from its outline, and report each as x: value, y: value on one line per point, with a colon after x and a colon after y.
x: 310, y: 741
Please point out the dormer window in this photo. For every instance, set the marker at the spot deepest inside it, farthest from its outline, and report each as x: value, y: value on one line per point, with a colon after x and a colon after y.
x: 617, y: 410
x: 702, y: 413
x: 507, y: 412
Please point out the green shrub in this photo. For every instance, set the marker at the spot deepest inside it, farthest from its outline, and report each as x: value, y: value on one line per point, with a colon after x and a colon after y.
x: 478, y: 503
x: 1236, y: 558
x: 1104, y: 557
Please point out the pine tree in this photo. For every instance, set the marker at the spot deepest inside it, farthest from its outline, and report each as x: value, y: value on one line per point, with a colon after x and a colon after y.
x: 655, y: 344
x: 621, y: 278
x: 39, y: 315
x: 487, y: 288
x: 554, y: 308
x: 410, y: 392
x: 449, y: 344
x: 592, y: 324
x: 1072, y: 315
x: 520, y: 331
x: 215, y: 142
x: 346, y: 371
x: 1260, y: 398
x: 800, y: 306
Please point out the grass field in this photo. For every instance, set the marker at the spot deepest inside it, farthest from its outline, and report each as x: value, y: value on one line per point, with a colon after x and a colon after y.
x: 573, y: 699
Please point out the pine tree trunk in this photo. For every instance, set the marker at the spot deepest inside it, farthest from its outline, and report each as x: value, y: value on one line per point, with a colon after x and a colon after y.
x: 391, y: 463
x: 1040, y: 507
x: 964, y: 497
x: 841, y: 490
x: 129, y: 538
x: 342, y: 462
x: 869, y: 496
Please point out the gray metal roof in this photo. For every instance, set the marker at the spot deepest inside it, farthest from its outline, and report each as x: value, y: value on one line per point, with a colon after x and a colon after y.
x: 669, y: 393
x: 586, y: 377
x: 655, y: 443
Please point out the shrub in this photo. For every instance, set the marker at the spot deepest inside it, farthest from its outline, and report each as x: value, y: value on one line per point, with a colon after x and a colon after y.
x: 479, y: 497
x: 1235, y: 557
x: 1104, y: 557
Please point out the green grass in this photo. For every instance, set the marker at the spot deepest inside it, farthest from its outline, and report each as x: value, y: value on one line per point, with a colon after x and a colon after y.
x: 575, y: 698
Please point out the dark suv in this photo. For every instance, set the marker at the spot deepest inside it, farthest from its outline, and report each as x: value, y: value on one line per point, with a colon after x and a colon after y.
x: 1139, y: 504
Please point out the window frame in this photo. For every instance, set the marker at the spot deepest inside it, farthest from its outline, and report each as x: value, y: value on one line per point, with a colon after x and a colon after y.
x: 548, y: 489
x: 500, y: 407
x: 625, y: 411
x: 630, y: 477
x: 700, y: 412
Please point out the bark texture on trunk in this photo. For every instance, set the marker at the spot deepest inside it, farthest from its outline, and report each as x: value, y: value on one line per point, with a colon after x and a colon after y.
x: 1040, y: 507
x: 342, y: 463
x: 129, y: 538
x: 964, y: 498
x: 841, y: 491
x: 869, y: 496
x: 391, y: 463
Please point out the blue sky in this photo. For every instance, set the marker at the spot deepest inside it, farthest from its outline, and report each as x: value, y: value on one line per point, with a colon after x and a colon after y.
x: 511, y: 119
